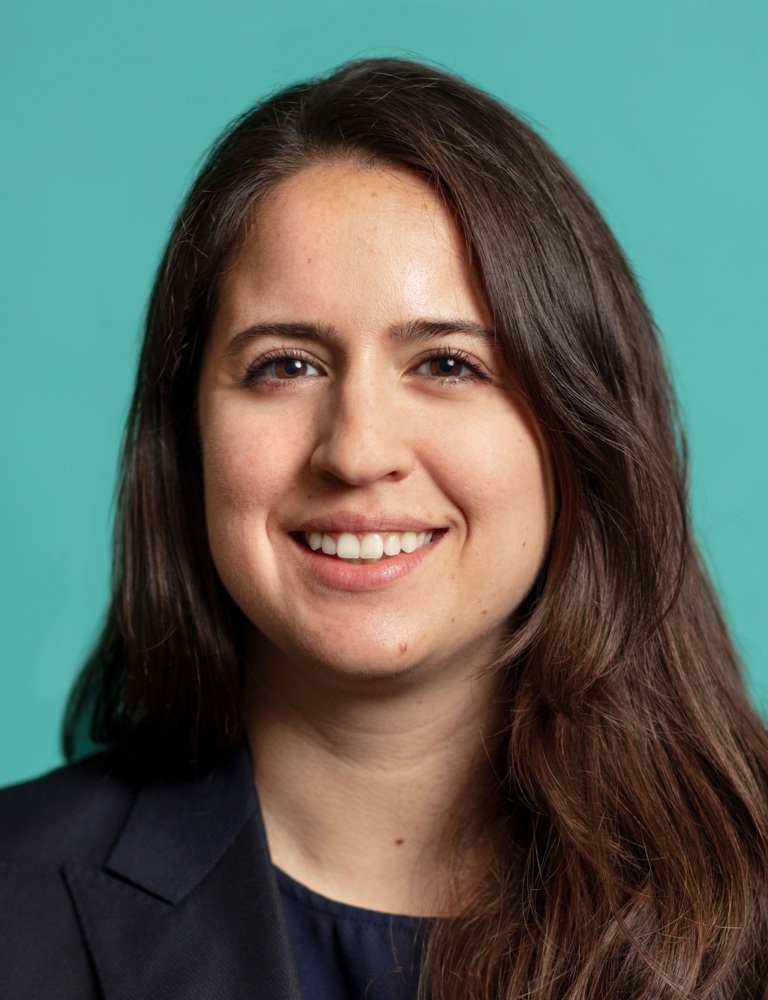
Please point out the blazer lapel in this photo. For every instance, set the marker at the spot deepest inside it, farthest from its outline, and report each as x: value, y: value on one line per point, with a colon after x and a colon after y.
x: 187, y: 904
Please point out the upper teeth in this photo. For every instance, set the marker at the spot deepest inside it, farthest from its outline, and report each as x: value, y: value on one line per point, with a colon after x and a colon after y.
x: 371, y: 545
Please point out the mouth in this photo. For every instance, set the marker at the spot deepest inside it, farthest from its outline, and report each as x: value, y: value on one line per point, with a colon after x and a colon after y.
x: 364, y: 548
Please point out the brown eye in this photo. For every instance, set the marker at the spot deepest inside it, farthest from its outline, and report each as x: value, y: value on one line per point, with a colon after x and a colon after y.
x: 445, y: 367
x: 279, y: 368
x: 289, y: 368
x: 450, y: 366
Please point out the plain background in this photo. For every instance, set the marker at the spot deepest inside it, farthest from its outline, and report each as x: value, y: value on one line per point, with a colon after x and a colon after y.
x: 659, y: 106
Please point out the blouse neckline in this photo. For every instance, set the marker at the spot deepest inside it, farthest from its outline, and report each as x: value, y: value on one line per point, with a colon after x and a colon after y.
x: 346, y: 911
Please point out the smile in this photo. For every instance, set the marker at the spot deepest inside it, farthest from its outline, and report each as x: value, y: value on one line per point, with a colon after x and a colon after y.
x: 367, y: 547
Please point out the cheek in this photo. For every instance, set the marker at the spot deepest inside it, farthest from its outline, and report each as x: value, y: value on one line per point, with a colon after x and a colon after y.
x: 242, y: 477
x: 243, y: 464
x: 501, y: 452
x: 502, y: 482
x: 228, y: 471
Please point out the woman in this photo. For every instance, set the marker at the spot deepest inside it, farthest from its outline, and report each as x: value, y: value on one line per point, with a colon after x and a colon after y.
x: 403, y: 512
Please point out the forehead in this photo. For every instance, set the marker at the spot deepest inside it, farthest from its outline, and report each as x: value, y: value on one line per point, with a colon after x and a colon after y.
x: 337, y: 231
x: 323, y: 189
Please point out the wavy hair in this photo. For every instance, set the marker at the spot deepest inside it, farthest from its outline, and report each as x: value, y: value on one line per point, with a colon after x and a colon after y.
x: 630, y: 853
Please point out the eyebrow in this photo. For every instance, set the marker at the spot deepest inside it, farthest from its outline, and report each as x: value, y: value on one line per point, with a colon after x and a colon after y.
x: 412, y: 330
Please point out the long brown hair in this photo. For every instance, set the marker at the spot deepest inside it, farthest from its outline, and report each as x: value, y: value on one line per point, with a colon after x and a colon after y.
x: 632, y: 798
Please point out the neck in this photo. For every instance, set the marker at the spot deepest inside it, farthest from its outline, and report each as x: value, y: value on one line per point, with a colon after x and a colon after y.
x: 360, y: 784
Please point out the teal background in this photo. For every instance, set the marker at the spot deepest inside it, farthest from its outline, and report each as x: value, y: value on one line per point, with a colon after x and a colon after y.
x: 659, y: 106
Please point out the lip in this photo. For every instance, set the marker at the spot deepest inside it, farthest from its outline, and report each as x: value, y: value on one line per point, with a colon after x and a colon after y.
x: 362, y: 523
x: 339, y: 574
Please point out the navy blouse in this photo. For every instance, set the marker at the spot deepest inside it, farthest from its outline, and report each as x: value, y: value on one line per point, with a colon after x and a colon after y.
x: 346, y: 953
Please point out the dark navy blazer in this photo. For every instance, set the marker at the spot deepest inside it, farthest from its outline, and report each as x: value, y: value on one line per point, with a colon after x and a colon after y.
x: 116, y: 891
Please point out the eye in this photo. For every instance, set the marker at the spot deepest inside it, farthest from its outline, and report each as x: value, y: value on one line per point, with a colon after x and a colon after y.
x: 289, y: 368
x: 445, y: 367
x: 279, y: 367
x: 452, y: 366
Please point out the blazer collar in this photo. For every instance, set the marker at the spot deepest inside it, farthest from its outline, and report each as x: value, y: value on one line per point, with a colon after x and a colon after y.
x: 187, y: 904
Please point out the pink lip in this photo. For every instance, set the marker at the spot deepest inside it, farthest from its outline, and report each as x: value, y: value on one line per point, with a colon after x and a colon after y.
x: 349, y: 521
x: 339, y: 574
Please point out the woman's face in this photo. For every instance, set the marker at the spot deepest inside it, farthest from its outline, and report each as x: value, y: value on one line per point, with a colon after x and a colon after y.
x: 352, y: 398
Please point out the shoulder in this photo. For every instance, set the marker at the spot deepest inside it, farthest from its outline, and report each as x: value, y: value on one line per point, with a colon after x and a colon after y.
x: 73, y: 814
x: 64, y: 814
x: 110, y: 888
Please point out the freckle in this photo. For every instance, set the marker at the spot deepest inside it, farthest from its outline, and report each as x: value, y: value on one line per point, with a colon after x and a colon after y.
x: 485, y: 611
x: 453, y: 619
x: 309, y: 260
x: 524, y: 544
x: 399, y: 841
x: 403, y: 647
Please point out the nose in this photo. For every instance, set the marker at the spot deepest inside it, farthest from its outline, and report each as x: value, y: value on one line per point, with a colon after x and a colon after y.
x: 362, y: 436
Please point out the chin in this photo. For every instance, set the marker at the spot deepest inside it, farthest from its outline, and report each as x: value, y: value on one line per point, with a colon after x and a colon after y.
x: 391, y: 654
